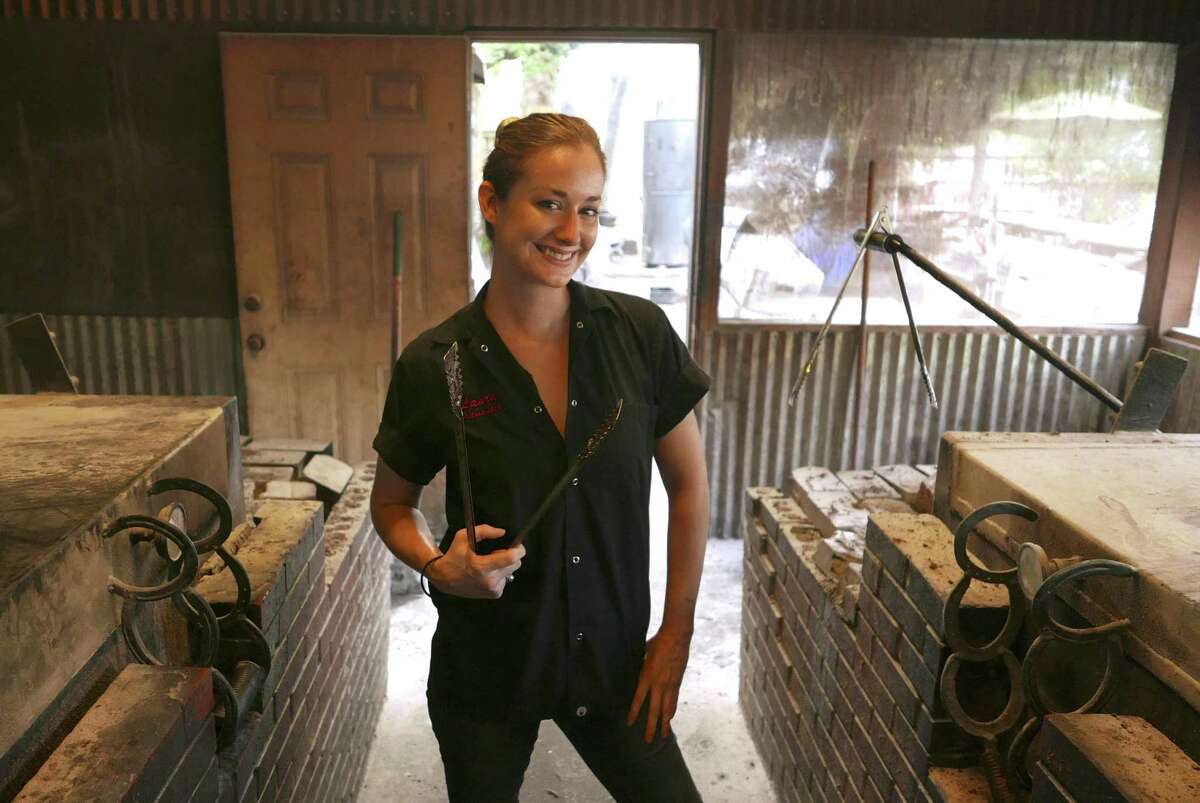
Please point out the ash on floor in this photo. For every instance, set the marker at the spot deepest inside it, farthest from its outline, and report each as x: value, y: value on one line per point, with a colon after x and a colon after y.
x: 404, y: 764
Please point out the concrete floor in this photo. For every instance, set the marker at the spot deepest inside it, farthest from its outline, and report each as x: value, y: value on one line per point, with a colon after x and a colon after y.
x: 404, y: 764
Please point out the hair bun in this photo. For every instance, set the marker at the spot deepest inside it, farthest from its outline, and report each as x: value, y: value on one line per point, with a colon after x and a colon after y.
x: 507, y: 121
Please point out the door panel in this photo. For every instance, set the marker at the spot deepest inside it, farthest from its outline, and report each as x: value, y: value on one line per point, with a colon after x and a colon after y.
x: 329, y: 137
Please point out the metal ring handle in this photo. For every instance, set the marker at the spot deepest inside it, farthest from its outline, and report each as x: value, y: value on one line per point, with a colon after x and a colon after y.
x: 224, y: 512
x: 193, y: 607
x: 1007, y: 718
x: 187, y: 568
x: 952, y: 623
x: 1033, y: 690
x: 241, y: 578
x: 133, y: 639
x: 265, y: 655
x: 196, y: 609
x: 1018, y: 749
x: 977, y: 517
x: 1049, y: 589
x: 224, y: 692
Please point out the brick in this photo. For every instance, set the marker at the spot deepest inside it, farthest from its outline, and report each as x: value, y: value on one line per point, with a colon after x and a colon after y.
x: 753, y: 494
x: 1108, y: 757
x: 915, y: 753
x: 933, y: 652
x: 807, y: 479
x: 1046, y: 787
x: 958, y: 785
x: 780, y: 512
x: 873, y: 506
x: 906, y: 480
x: 866, y: 484
x: 756, y: 539
x: 766, y: 574
x: 901, y: 607
x: 876, y: 771
x: 193, y: 765
x: 877, y: 693
x: 947, y: 743
x: 927, y: 547
x: 850, y: 687
x: 901, y: 691
x: 288, y: 531
x: 273, y: 750
x: 774, y: 618
x: 884, y: 550
x: 208, y: 788
x: 855, y: 769
x: 132, y: 738
x: 913, y: 666
x: 870, y: 571
x: 882, y: 624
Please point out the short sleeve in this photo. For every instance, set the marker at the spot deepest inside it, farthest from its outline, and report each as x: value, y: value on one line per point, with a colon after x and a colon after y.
x: 680, y: 383
x: 410, y: 439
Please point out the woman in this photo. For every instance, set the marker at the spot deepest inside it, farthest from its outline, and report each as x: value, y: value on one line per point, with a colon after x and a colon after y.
x: 554, y: 628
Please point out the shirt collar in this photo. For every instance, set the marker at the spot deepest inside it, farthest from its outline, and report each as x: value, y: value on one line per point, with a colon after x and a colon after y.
x: 472, y: 323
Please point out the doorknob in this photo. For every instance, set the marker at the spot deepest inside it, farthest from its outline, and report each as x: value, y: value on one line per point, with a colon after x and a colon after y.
x: 256, y: 342
x: 253, y: 303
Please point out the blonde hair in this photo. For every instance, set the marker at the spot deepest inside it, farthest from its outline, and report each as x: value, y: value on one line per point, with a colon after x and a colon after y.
x: 518, y: 138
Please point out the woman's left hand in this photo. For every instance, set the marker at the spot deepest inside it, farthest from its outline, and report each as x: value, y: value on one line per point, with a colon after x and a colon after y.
x: 658, y: 684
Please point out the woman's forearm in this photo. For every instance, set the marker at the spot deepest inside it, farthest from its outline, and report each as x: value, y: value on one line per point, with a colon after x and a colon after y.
x: 687, y: 538
x: 405, y: 532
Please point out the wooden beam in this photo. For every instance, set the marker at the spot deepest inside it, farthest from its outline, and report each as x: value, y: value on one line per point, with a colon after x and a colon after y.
x: 708, y: 277
x: 1174, y: 255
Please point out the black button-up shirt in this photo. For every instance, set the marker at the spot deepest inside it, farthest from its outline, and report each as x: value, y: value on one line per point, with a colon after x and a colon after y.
x: 569, y: 633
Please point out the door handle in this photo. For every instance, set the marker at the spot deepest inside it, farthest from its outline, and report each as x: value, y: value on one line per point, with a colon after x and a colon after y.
x: 256, y: 342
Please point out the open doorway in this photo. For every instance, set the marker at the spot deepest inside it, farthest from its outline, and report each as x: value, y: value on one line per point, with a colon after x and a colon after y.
x: 643, y: 99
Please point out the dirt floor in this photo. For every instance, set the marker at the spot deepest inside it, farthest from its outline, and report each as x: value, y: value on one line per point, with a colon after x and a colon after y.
x: 404, y: 763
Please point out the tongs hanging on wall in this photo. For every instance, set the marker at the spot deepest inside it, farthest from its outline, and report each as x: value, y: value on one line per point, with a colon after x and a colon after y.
x: 878, y: 223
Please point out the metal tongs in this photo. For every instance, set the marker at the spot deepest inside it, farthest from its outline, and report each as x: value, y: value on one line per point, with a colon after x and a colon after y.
x: 452, y: 367
x: 879, y: 221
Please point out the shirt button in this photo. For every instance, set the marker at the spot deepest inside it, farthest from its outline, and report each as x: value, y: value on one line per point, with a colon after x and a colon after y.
x: 579, y: 637
x: 537, y: 408
x: 575, y: 559
x: 575, y: 480
x: 483, y: 346
x: 581, y: 711
x: 574, y: 403
x: 578, y: 324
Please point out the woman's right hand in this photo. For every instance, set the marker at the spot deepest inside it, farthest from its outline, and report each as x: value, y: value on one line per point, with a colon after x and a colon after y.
x: 464, y: 574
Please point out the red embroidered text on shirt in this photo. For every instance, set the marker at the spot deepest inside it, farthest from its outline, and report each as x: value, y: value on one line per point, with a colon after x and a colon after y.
x: 478, y: 408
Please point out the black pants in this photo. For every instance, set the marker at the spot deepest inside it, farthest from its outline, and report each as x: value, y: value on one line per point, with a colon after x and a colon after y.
x: 485, y: 761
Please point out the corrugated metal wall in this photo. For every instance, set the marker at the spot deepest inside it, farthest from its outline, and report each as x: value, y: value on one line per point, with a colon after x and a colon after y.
x: 142, y: 355
x: 984, y: 379
x: 1147, y: 20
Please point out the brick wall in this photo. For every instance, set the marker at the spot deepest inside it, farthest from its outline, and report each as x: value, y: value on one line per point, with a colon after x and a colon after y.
x: 842, y: 645
x: 320, y: 596
x: 844, y: 589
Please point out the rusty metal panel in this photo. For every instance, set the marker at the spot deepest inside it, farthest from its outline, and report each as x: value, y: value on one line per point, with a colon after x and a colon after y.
x: 1153, y: 20
x: 140, y: 356
x: 985, y: 380
x: 1184, y: 414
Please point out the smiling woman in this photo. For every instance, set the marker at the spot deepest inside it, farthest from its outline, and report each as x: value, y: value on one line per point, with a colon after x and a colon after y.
x: 545, y: 178
x: 554, y: 627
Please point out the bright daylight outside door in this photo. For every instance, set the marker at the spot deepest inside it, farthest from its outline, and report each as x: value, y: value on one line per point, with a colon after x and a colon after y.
x: 642, y: 98
x: 329, y: 137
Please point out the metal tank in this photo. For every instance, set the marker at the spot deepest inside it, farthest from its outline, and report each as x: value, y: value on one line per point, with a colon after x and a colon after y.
x: 668, y: 188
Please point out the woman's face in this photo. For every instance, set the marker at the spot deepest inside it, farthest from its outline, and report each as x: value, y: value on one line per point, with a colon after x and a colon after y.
x: 546, y: 226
